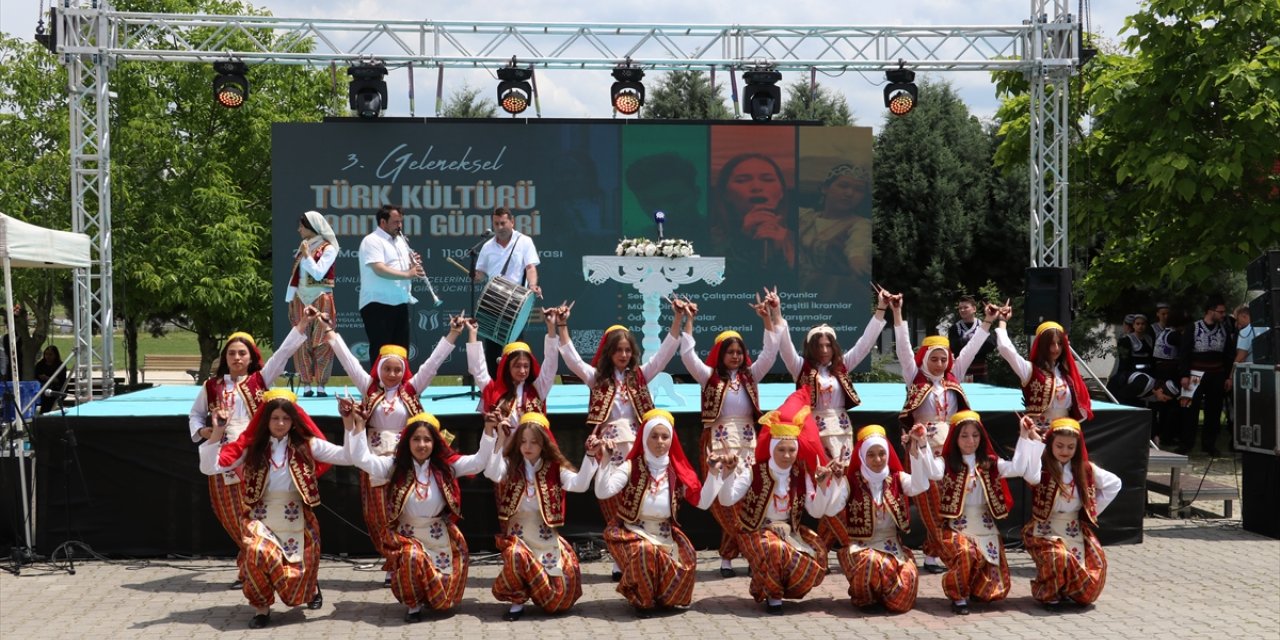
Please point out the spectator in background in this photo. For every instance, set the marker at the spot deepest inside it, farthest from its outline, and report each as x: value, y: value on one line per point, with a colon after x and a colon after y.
x: 1134, y: 349
x: 962, y: 331
x: 1162, y: 318
x: 1246, y: 332
x: 1166, y: 366
x: 1206, y: 347
x: 45, y: 368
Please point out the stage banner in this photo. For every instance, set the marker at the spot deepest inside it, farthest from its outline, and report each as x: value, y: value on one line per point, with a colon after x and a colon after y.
x: 785, y: 205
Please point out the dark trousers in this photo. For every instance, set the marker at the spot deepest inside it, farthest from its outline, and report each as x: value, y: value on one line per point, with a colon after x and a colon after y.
x: 385, y: 324
x: 1208, y: 398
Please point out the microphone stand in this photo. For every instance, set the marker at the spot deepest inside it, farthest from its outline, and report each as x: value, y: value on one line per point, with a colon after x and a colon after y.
x: 70, y: 457
x: 473, y: 253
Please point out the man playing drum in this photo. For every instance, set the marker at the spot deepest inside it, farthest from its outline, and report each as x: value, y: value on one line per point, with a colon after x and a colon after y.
x: 511, y: 255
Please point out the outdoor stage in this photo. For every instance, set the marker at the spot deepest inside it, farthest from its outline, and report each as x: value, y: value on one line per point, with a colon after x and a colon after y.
x: 143, y: 495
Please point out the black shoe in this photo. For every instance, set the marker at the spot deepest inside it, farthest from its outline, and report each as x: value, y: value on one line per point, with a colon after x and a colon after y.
x: 935, y: 568
x: 960, y: 609
x: 386, y: 582
x: 727, y: 572
x: 413, y: 617
x: 308, y: 394
x: 512, y: 616
x: 317, y: 601
x: 322, y: 394
x: 237, y: 585
x: 617, y: 575
x: 1056, y: 605
x: 643, y: 613
x: 260, y: 621
x: 773, y: 609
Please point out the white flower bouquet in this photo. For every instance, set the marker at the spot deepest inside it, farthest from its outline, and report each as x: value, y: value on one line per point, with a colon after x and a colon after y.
x: 644, y: 247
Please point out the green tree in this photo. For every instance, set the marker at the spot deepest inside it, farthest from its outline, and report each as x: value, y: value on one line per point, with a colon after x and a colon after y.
x: 821, y: 104
x: 934, y: 198
x: 467, y: 103
x: 1181, y: 153
x: 686, y: 95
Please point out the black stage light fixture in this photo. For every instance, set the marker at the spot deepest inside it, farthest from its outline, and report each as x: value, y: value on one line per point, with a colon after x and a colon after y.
x: 901, y: 94
x: 761, y: 98
x: 230, y: 86
x: 627, y: 94
x: 367, y: 92
x: 514, y: 92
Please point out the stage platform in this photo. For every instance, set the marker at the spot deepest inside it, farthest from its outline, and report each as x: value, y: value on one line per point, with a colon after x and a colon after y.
x: 137, y: 490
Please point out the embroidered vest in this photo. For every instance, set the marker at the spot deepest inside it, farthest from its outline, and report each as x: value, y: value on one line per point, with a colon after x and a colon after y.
x: 1037, y: 394
x: 951, y: 493
x: 601, y: 402
x: 328, y: 280
x: 407, y: 394
x: 302, y: 468
x: 713, y: 397
x: 632, y: 496
x: 918, y: 392
x: 860, y: 512
x: 809, y: 378
x: 752, y: 508
x: 402, y: 488
x: 530, y: 402
x: 1046, y: 493
x: 250, y: 388
x: 550, y: 496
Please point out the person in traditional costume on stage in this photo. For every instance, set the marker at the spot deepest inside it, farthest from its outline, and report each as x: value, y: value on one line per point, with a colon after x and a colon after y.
x: 874, y: 496
x: 311, y: 284
x: 389, y: 400
x: 769, y: 493
x: 972, y: 496
x: 1051, y: 385
x: 825, y: 371
x: 643, y: 535
x: 522, y: 385
x: 237, y: 386
x: 429, y: 557
x: 1069, y: 495
x: 934, y: 392
x: 730, y: 405
x: 532, y: 477
x: 282, y: 455
x: 619, y: 385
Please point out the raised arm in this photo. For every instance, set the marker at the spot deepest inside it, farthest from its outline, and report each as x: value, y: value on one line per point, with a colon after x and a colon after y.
x: 428, y: 370
x: 352, y: 367
x: 274, y: 366
x: 864, y: 344
x: 773, y: 335
x: 580, y: 480
x: 475, y: 358
x: 550, y: 366
x: 689, y: 356
x: 906, y: 357
x: 971, y: 349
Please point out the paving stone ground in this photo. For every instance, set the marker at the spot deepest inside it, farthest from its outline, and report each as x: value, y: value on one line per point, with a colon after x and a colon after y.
x: 1199, y: 578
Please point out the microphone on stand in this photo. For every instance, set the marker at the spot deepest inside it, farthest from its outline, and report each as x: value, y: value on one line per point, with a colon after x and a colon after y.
x: 659, y: 217
x: 488, y: 233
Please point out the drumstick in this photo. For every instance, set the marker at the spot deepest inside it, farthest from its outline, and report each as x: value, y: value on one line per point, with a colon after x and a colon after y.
x: 458, y: 265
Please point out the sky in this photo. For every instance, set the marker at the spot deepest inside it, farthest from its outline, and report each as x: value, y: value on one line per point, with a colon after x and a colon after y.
x: 577, y: 94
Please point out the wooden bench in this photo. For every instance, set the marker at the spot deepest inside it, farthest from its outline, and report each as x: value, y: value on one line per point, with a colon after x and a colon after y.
x: 1182, y: 494
x: 166, y: 362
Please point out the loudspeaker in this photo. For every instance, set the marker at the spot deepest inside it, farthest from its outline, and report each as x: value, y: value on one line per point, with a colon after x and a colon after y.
x: 1264, y: 310
x: 1048, y: 297
x: 1266, y: 347
x: 1260, y: 502
x: 1264, y: 272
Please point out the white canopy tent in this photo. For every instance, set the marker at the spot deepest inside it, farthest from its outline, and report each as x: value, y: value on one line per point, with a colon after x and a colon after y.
x: 28, y: 246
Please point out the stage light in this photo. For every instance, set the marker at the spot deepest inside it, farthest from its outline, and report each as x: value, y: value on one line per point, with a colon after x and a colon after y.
x: 230, y: 86
x: 761, y: 98
x: 900, y: 95
x: 627, y: 94
x: 367, y: 92
x: 514, y: 92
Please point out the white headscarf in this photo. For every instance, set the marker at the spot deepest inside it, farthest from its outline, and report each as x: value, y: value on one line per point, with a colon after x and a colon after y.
x: 924, y: 365
x: 875, y: 479
x: 781, y: 477
x: 657, y: 464
x: 318, y: 222
x: 382, y: 362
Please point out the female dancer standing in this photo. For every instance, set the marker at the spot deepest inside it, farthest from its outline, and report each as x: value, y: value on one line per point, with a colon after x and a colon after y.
x: 533, y: 476
x: 972, y: 496
x: 1071, y: 492
x: 311, y: 284
x: 1051, y: 385
x: 643, y: 535
x: 282, y: 455
x: 521, y: 385
x: 730, y: 405
x: 429, y: 558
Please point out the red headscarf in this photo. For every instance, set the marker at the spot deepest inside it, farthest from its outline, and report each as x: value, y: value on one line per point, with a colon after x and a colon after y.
x: 794, y: 412
x: 232, y: 450
x: 713, y: 358
x: 1079, y: 391
x: 678, y: 468
x: 987, y: 451
x: 375, y: 372
x: 595, y: 360
x: 855, y: 463
x: 935, y: 342
x: 497, y: 386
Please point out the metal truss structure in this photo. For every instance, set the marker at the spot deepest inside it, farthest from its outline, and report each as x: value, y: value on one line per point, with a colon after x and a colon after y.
x: 91, y: 38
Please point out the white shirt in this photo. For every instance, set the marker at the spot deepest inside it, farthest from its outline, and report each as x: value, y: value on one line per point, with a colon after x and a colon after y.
x: 572, y: 481
x: 377, y: 247
x: 542, y: 384
x: 1060, y: 403
x: 740, y: 482
x: 312, y: 271
x: 278, y: 477
x: 271, y: 369
x: 380, y: 469
x: 622, y: 407
x: 394, y: 419
x: 795, y: 361
x: 942, y: 402
x: 493, y: 256
x: 611, y: 480
x: 736, y: 404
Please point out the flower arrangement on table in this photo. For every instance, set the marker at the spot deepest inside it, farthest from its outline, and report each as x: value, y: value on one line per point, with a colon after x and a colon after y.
x: 644, y: 247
